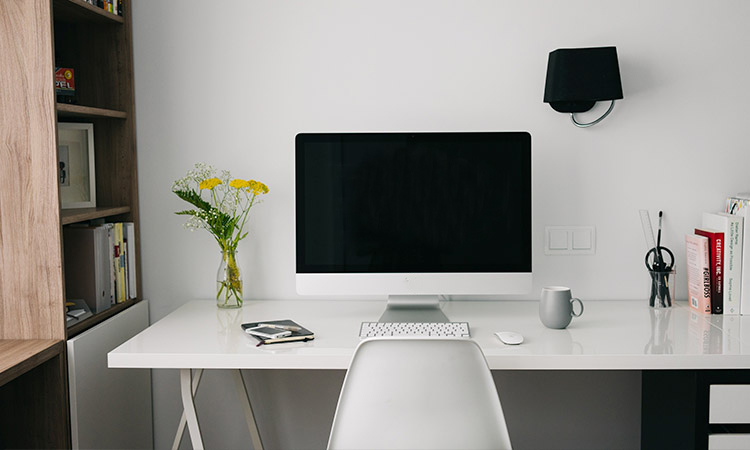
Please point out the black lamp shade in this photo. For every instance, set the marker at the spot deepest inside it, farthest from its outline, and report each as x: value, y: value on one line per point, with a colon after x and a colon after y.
x: 577, y: 78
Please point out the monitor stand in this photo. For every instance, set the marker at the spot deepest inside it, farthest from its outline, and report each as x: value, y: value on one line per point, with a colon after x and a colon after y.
x: 413, y: 308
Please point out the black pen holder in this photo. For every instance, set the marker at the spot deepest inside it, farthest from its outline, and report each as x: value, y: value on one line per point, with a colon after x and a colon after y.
x: 662, y: 288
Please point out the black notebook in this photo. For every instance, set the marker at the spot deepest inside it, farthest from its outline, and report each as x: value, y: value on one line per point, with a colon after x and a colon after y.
x: 303, y: 334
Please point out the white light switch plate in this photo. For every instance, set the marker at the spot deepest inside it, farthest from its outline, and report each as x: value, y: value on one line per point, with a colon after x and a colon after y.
x: 564, y: 240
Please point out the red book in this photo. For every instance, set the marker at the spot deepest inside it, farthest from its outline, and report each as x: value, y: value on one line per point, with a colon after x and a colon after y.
x: 716, y: 258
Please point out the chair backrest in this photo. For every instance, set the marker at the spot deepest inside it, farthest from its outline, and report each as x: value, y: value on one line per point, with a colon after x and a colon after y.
x: 419, y: 393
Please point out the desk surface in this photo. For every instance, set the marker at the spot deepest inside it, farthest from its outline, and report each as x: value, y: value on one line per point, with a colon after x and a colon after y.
x: 611, y: 335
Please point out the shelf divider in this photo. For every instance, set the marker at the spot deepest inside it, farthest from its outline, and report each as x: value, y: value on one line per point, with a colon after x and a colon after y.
x: 68, y: 216
x: 67, y: 110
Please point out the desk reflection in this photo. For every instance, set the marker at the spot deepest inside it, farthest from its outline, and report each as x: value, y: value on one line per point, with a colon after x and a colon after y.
x: 660, y: 342
x: 228, y: 325
x: 557, y: 342
x: 703, y: 337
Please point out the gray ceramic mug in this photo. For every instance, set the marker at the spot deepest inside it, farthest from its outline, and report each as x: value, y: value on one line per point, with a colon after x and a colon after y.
x: 556, y: 307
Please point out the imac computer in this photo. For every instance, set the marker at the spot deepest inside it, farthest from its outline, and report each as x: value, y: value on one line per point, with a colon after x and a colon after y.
x: 412, y: 217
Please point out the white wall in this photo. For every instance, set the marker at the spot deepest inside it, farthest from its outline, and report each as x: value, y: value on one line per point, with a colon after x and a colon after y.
x: 231, y: 83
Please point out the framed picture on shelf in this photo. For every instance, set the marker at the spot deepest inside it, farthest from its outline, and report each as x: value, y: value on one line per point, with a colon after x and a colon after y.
x: 75, y: 172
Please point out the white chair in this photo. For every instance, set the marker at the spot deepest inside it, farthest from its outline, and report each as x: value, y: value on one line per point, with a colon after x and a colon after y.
x: 418, y: 393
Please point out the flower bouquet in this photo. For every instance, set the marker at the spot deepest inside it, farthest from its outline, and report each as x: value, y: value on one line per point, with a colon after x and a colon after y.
x: 224, y: 214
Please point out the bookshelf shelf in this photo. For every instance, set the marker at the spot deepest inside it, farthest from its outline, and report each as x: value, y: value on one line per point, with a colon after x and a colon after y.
x: 77, y: 111
x: 80, y: 11
x: 89, y: 322
x: 69, y: 216
x: 18, y: 356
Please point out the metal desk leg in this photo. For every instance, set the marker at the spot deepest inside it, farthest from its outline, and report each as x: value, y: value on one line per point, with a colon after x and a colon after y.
x: 188, y: 386
x: 249, y: 416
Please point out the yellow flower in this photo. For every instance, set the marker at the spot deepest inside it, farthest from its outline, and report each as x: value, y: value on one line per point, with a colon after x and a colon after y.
x: 257, y: 187
x: 210, y: 183
x: 239, y: 184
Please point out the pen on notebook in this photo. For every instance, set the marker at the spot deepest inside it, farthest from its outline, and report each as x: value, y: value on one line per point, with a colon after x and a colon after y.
x: 280, y: 327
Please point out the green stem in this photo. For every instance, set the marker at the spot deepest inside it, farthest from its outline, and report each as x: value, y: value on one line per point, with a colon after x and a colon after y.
x: 230, y: 283
x: 244, y: 218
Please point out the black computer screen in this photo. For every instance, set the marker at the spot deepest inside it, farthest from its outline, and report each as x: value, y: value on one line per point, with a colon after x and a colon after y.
x: 413, y: 202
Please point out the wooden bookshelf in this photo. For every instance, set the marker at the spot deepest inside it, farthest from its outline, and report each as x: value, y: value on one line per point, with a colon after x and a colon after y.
x: 98, y: 46
x: 36, y: 36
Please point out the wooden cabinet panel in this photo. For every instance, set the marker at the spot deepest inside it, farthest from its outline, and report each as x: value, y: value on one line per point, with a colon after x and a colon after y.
x: 31, y: 283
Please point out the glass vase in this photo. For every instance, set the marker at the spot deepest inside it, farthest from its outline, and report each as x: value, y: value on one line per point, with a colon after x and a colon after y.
x: 229, y: 281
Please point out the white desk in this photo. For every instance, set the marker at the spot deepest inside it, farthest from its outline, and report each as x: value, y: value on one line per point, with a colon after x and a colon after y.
x: 611, y: 335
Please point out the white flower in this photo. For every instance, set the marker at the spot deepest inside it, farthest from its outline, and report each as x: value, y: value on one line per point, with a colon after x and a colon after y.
x: 202, y: 171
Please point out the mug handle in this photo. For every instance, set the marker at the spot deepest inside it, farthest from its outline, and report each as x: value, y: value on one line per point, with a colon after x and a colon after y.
x: 572, y: 311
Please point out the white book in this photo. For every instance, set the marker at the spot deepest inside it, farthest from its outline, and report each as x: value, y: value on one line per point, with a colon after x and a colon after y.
x: 86, y: 266
x: 732, y: 227
x: 740, y: 206
x: 132, y: 282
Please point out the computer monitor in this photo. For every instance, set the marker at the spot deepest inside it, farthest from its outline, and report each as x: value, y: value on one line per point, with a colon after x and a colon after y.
x: 413, y: 216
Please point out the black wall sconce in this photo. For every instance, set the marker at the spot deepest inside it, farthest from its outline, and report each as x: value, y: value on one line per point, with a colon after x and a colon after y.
x: 577, y: 78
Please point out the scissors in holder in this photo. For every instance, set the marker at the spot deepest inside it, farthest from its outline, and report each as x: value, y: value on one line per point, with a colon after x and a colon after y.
x: 659, y: 268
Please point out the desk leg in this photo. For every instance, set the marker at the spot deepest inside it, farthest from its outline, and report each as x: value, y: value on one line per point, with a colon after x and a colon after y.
x: 188, y: 388
x: 249, y: 416
x: 183, y: 419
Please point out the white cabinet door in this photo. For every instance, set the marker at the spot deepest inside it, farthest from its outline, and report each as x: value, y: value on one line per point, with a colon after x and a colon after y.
x: 729, y: 442
x: 109, y: 408
x: 729, y: 403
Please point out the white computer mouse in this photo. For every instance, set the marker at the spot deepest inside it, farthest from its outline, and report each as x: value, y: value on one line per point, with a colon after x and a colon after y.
x: 509, y: 337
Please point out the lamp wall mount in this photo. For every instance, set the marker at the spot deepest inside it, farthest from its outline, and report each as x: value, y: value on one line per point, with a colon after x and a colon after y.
x: 594, y: 122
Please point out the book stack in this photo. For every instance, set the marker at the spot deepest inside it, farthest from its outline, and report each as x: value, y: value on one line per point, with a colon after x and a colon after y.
x: 113, y: 6
x: 718, y: 249
x: 100, y: 264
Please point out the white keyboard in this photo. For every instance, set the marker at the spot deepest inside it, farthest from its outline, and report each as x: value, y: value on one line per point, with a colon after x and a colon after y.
x: 440, y: 329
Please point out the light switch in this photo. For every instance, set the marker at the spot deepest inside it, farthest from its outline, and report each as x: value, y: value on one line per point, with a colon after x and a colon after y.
x: 558, y: 239
x: 582, y: 239
x: 570, y: 240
